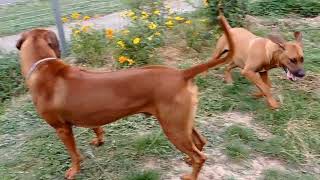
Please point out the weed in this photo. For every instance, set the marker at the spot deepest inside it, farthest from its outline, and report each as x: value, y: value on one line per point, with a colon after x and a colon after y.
x: 143, y: 175
x: 272, y: 174
x: 237, y: 150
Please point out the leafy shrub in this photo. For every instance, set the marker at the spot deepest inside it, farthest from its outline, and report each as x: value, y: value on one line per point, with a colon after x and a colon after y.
x: 143, y: 175
x: 237, y: 150
x: 11, y: 83
x: 135, y: 45
x: 305, y: 8
x: 89, y: 45
x: 234, y: 11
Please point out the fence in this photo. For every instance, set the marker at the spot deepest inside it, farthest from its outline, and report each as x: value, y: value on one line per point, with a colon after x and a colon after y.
x: 20, y: 15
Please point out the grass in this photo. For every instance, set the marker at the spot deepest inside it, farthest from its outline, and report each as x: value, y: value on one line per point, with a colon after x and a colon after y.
x: 143, y: 175
x: 31, y: 150
x: 272, y: 174
x: 26, y: 15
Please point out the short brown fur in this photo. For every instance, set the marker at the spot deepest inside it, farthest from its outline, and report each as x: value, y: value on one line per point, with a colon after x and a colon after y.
x: 67, y: 96
x: 256, y: 56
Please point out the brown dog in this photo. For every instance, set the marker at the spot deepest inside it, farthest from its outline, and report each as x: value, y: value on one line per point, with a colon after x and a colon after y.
x: 67, y: 96
x: 256, y: 56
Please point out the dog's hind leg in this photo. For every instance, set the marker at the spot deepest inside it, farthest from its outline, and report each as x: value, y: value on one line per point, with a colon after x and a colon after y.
x: 98, y: 140
x: 66, y: 135
x: 199, y: 141
x: 227, y: 73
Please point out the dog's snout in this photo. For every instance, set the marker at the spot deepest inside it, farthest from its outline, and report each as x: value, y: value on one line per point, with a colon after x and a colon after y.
x: 300, y: 73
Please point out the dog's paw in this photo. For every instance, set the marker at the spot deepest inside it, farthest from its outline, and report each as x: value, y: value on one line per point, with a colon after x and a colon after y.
x: 71, y: 172
x: 273, y: 104
x: 96, y: 142
x: 187, y: 177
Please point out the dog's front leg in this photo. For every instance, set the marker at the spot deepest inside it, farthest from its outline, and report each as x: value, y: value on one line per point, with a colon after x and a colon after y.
x: 66, y: 135
x: 264, y: 88
x: 97, y: 141
x: 265, y: 78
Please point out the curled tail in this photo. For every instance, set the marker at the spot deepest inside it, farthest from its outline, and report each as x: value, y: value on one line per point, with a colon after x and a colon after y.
x: 216, y: 59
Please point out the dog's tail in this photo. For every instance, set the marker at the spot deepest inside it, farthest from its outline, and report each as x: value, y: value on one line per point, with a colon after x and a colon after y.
x: 216, y: 59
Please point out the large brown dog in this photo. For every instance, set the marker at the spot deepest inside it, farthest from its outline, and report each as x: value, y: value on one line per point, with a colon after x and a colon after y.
x: 67, y: 96
x: 256, y: 56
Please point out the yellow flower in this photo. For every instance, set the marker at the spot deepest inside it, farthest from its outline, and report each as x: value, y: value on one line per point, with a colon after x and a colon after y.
x: 125, y: 32
x: 122, y: 59
x: 188, y: 22
x: 130, y: 14
x: 169, y: 23
x: 121, y: 44
x: 76, y: 32
x: 156, y: 12
x: 64, y: 19
x: 130, y: 61
x: 144, y: 15
x: 134, y: 17
x: 178, y: 18
x: 152, y: 25
x: 169, y: 17
x: 136, y: 40
x: 206, y: 3
x: 75, y: 15
x: 85, y: 28
x: 150, y: 38
x: 157, y: 34
x: 109, y: 33
x: 86, y: 18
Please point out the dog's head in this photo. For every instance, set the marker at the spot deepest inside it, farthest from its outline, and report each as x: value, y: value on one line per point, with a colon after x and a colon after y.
x: 41, y: 37
x: 291, y: 55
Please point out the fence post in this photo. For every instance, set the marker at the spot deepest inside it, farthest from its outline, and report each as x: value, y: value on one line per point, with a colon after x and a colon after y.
x: 57, y: 15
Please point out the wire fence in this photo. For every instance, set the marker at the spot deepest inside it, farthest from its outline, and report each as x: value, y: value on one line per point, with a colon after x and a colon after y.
x: 20, y: 15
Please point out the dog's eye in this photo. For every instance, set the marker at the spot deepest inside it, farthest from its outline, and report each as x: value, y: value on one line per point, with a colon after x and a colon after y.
x: 293, y: 60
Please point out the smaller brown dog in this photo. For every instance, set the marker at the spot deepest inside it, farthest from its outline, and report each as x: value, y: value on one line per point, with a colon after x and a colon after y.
x: 256, y: 56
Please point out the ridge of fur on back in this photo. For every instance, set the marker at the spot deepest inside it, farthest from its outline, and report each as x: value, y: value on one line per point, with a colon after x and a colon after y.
x: 216, y: 60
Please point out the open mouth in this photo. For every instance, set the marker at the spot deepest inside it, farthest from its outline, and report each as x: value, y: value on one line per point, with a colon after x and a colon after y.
x: 290, y: 76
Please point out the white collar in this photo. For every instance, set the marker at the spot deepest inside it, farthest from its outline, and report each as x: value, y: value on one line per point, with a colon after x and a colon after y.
x: 36, y: 64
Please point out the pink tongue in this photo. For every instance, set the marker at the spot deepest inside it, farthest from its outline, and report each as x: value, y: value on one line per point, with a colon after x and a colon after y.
x: 291, y: 76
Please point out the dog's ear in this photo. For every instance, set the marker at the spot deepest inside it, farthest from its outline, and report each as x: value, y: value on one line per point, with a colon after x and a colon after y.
x: 53, y: 42
x: 278, y: 39
x: 20, y: 41
x: 298, y: 37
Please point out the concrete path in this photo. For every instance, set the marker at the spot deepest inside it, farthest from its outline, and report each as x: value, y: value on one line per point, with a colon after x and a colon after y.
x: 113, y: 20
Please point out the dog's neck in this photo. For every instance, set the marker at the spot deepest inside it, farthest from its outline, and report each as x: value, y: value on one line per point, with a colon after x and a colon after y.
x: 31, y: 53
x: 275, y: 60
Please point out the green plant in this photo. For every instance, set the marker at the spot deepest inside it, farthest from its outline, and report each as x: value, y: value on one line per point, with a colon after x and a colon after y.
x: 11, y: 83
x: 234, y: 11
x: 135, y: 45
x: 154, y: 143
x: 305, y: 8
x: 273, y: 174
x: 238, y: 132
x: 143, y: 175
x: 89, y: 45
x: 237, y: 150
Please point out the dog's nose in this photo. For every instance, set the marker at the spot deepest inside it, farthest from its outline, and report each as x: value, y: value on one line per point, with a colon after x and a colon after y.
x: 300, y: 73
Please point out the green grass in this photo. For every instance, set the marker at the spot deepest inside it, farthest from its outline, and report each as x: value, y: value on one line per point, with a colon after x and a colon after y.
x: 31, y: 149
x: 272, y: 174
x: 38, y: 13
x: 143, y: 175
x: 237, y: 150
